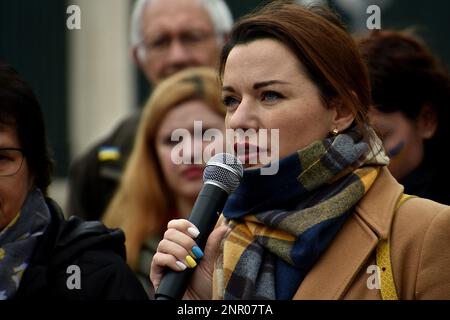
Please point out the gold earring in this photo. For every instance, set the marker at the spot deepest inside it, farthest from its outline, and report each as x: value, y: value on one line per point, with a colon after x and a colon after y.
x: 335, y: 131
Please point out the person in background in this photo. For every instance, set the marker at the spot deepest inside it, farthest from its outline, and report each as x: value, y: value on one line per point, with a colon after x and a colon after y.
x: 333, y: 218
x: 43, y: 256
x: 154, y: 188
x: 166, y: 37
x: 411, y: 98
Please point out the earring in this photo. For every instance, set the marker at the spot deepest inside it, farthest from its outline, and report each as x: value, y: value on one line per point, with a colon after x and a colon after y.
x: 335, y: 131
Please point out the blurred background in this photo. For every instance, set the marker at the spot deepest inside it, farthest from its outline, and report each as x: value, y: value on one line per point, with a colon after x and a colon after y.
x: 86, y: 81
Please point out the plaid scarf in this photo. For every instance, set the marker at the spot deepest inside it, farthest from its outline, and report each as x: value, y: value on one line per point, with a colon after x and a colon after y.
x: 281, y: 224
x: 18, y: 240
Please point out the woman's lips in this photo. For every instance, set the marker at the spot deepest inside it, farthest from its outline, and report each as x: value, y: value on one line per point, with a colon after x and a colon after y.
x: 247, y: 153
x: 192, y: 173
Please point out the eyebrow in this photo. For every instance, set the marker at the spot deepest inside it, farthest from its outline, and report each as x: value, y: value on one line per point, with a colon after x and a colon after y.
x: 257, y: 85
x: 262, y: 84
x: 228, y: 88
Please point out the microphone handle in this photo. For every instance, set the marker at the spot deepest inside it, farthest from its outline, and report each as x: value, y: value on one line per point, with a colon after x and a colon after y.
x: 204, y: 215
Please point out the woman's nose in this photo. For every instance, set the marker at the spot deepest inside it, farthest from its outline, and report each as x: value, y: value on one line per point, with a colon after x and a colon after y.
x: 245, y: 116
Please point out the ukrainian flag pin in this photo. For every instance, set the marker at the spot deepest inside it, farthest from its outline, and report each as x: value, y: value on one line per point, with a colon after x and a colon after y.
x: 108, y: 153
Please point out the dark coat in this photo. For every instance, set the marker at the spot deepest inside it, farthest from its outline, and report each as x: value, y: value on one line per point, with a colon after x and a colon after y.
x: 92, y: 182
x: 99, y: 253
x: 428, y: 181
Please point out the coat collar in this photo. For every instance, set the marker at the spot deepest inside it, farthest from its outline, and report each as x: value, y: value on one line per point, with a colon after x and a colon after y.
x: 355, y: 242
x: 377, y: 208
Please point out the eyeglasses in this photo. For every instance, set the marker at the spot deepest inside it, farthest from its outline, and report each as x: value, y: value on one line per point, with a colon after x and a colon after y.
x: 190, y: 40
x: 11, y: 160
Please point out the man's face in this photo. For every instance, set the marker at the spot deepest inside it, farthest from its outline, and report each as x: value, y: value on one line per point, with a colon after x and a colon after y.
x: 176, y: 34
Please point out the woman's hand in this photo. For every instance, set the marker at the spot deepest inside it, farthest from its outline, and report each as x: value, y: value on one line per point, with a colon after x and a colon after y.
x: 178, y: 251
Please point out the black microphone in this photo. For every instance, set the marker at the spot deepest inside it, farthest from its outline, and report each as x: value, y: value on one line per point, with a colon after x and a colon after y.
x: 222, y: 175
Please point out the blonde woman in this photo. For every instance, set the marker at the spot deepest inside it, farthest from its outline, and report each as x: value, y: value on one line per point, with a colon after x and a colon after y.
x: 154, y: 189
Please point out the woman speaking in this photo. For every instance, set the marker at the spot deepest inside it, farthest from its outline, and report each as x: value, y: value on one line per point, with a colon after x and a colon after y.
x: 333, y: 214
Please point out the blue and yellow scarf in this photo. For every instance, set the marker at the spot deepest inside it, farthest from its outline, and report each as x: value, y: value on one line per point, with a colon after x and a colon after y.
x: 281, y: 224
x: 18, y: 240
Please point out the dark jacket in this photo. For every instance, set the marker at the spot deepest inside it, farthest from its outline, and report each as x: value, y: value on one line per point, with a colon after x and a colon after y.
x: 97, y: 251
x: 428, y: 181
x: 92, y: 182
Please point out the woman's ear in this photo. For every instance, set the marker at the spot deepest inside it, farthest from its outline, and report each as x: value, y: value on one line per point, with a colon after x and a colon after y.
x: 343, y: 116
x: 427, y: 122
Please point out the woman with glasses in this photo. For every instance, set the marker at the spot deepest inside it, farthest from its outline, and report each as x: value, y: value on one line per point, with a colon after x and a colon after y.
x: 42, y: 255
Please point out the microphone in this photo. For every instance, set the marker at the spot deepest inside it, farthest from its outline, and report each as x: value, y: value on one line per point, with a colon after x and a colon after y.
x: 222, y: 175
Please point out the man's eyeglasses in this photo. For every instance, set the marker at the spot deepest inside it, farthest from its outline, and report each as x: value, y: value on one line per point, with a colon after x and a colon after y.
x: 11, y: 160
x: 189, y: 40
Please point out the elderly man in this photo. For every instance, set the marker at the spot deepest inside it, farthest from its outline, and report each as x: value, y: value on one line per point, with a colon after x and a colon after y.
x: 167, y: 36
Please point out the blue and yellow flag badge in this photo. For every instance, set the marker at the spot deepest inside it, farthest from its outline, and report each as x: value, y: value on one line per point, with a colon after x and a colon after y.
x: 108, y: 153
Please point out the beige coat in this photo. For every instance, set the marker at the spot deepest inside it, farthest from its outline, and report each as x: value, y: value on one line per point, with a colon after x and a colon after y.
x: 420, y: 248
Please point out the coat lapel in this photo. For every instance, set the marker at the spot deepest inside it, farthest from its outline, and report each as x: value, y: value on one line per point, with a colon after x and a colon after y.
x: 334, y: 272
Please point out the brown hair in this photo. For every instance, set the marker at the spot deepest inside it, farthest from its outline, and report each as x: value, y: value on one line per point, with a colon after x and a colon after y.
x: 20, y: 109
x: 320, y: 42
x: 405, y: 76
x: 142, y: 202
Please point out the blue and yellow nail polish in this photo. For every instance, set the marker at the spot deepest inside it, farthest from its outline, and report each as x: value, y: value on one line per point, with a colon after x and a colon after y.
x: 191, y: 262
x: 198, y: 253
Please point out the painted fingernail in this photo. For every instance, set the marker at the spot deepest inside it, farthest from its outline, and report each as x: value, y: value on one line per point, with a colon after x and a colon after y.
x: 198, y: 253
x: 191, y: 262
x: 193, y: 231
x: 181, y: 265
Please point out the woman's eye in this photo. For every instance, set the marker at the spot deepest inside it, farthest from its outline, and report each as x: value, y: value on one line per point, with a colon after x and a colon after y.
x: 5, y: 158
x: 168, y: 141
x: 230, y: 101
x: 271, y: 96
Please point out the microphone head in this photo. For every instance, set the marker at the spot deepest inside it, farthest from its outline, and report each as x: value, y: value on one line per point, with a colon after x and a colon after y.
x: 225, y: 171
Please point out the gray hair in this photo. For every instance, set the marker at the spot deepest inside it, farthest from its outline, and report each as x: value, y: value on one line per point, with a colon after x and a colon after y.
x: 218, y: 12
